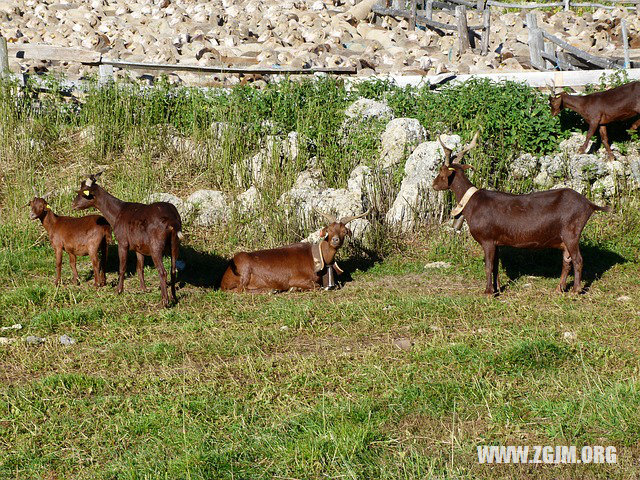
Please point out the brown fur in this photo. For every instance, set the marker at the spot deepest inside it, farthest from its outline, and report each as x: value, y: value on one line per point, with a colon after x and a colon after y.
x: 550, y: 219
x: 282, y: 268
x: 601, y: 108
x: 82, y: 236
x: 146, y: 229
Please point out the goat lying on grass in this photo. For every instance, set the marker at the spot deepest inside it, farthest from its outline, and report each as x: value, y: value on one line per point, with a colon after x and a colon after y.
x: 601, y: 108
x: 294, y: 266
x: 550, y: 219
x: 88, y: 235
x: 146, y: 229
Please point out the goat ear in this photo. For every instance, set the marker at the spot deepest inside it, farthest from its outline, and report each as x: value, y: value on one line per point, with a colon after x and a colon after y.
x: 323, y: 233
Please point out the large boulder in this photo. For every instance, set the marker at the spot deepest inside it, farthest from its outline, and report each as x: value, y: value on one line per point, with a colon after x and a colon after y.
x: 416, y: 199
x: 274, y: 147
x: 309, y: 192
x: 210, y: 207
x: 399, y: 139
x: 366, y: 109
x: 185, y: 209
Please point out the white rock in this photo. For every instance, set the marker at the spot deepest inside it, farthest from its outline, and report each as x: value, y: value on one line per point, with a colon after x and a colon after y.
x: 439, y: 264
x: 210, y: 207
x: 569, y: 336
x: 417, y: 200
x: 248, y: 200
x: 398, y: 140
x: 185, y: 209
x: 367, y: 109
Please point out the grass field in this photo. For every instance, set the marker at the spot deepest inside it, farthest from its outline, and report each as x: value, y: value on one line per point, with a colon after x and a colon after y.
x: 401, y: 374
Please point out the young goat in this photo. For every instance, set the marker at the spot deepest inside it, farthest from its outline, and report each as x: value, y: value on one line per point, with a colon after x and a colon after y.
x: 550, y: 219
x: 146, y: 229
x: 88, y: 235
x: 601, y: 108
x: 297, y: 266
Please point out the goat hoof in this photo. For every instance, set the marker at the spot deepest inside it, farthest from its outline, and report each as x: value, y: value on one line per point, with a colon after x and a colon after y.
x: 559, y: 289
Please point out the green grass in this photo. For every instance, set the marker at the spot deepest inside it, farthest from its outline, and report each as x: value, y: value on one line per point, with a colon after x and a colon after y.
x: 295, y: 385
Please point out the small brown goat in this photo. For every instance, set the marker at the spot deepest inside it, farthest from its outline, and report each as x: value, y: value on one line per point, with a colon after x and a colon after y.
x: 146, y: 229
x: 88, y: 235
x: 550, y: 219
x: 601, y: 108
x: 291, y: 267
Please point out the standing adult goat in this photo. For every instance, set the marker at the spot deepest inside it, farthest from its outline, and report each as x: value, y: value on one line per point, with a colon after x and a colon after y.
x: 297, y: 266
x: 550, y: 219
x: 88, y: 235
x: 601, y: 108
x: 146, y: 229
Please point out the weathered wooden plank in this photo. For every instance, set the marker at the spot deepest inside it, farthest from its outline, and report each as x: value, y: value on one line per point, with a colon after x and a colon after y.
x: 536, y: 42
x: 463, y: 30
x: 587, y: 57
x: 524, y: 6
x: 224, y: 69
x: 4, y: 58
x: 412, y: 18
x: 420, y: 19
x: 43, y: 51
x: 625, y: 43
x: 486, y: 31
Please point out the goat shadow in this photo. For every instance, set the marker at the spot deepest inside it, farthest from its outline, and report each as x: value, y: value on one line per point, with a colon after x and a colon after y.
x: 363, y: 260
x: 202, y: 269
x: 548, y: 263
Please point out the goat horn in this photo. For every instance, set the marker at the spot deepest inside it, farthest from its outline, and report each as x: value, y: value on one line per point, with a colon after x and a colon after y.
x: 48, y: 194
x: 35, y: 192
x: 447, y: 151
x: 468, y: 147
x: 346, y: 220
x: 328, y: 218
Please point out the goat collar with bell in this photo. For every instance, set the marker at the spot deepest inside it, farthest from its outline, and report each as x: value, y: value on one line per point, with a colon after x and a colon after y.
x: 463, y: 201
x: 318, y: 259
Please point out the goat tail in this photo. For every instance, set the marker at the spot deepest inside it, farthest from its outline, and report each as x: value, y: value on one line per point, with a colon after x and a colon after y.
x: 606, y: 208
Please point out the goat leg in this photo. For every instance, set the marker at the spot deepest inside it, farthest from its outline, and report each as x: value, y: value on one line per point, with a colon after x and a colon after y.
x: 496, y: 267
x: 590, y: 132
x: 489, y: 256
x: 95, y: 262
x: 576, y: 256
x: 605, y: 141
x: 58, y: 265
x: 162, y: 272
x: 74, y: 271
x: 566, y: 267
x: 140, y: 270
x: 122, y: 256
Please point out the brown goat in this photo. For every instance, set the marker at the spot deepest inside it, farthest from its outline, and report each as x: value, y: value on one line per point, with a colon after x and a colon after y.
x: 550, y: 219
x: 146, y: 229
x: 601, y: 108
x: 88, y: 235
x: 289, y: 267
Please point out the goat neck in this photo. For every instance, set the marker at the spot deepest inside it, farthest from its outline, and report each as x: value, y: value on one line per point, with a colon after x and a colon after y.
x: 328, y: 253
x: 48, y: 219
x: 108, y: 205
x: 573, y: 102
x: 460, y: 184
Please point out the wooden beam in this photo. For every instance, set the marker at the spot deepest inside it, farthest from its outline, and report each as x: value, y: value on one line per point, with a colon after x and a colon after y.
x: 412, y: 18
x: 223, y: 69
x: 463, y: 30
x: 43, y: 51
x: 625, y: 43
x: 4, y: 59
x: 587, y: 57
x: 536, y: 42
x: 486, y: 24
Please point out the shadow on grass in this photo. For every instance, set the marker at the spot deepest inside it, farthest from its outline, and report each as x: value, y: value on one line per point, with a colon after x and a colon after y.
x: 616, y: 131
x: 202, y: 269
x: 548, y: 263
x: 363, y: 261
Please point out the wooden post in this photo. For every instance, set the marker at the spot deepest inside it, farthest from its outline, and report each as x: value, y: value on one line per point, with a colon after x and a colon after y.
x: 625, y: 44
x: 4, y: 58
x: 412, y: 18
x: 480, y: 5
x: 551, y: 50
x: 105, y: 74
x: 463, y: 29
x: 486, y: 28
x: 536, y: 42
x: 567, y: 6
x: 428, y: 11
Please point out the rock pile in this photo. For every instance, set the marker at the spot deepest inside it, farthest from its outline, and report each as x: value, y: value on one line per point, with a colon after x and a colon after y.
x: 291, y: 33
